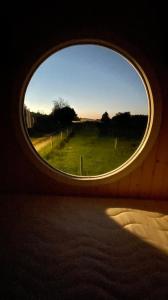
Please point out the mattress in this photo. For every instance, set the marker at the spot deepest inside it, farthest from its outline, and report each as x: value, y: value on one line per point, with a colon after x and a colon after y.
x: 83, y: 248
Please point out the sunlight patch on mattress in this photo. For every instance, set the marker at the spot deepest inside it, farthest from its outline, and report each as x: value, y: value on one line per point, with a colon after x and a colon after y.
x: 151, y: 227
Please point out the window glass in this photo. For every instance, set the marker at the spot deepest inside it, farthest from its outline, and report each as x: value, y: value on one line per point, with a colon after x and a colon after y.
x: 86, y: 110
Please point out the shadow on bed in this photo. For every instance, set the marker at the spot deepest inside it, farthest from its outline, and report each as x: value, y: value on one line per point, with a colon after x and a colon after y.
x: 77, y: 248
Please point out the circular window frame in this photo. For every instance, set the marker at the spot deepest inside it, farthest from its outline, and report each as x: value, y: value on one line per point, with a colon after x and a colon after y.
x: 145, y: 71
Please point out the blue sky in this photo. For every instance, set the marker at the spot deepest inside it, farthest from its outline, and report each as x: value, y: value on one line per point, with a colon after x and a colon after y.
x: 92, y: 79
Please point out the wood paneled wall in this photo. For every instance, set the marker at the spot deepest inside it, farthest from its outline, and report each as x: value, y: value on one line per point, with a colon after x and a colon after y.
x: 31, y: 36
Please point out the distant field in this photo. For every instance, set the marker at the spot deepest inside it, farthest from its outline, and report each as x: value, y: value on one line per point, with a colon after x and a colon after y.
x: 100, y: 154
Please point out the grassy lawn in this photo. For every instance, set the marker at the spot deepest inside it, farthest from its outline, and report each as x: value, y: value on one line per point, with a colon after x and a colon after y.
x: 99, y: 153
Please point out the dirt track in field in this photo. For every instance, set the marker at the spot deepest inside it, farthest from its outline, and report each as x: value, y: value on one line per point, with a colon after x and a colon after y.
x: 41, y: 143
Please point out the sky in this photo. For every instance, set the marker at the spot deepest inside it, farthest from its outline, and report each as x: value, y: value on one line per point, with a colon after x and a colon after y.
x: 92, y: 79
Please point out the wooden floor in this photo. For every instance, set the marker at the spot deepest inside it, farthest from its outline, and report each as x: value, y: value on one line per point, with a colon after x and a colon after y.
x: 83, y: 248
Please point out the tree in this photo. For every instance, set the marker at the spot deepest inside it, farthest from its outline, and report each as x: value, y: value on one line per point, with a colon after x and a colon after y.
x: 61, y: 117
x: 62, y: 114
x: 122, y: 120
x: 59, y: 104
x: 105, y: 118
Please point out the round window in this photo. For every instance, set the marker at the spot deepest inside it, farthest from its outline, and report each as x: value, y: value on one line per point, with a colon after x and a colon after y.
x: 86, y: 110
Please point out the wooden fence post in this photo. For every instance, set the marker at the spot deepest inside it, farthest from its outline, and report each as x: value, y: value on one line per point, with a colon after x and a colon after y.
x: 81, y: 165
x: 51, y: 138
x: 115, y: 143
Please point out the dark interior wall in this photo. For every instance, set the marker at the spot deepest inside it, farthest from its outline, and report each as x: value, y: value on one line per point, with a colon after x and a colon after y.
x: 33, y: 32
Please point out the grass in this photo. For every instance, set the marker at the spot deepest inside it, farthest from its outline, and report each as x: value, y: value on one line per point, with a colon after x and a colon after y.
x: 98, y: 152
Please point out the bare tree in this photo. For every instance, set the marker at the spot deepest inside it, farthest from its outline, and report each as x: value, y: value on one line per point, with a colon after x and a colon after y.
x: 59, y: 104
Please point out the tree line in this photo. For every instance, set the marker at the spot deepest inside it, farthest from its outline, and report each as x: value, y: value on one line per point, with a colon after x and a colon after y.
x: 62, y: 116
x: 123, y: 124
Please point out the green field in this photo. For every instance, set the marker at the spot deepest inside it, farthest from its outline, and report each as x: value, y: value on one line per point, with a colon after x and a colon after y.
x: 100, y: 153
